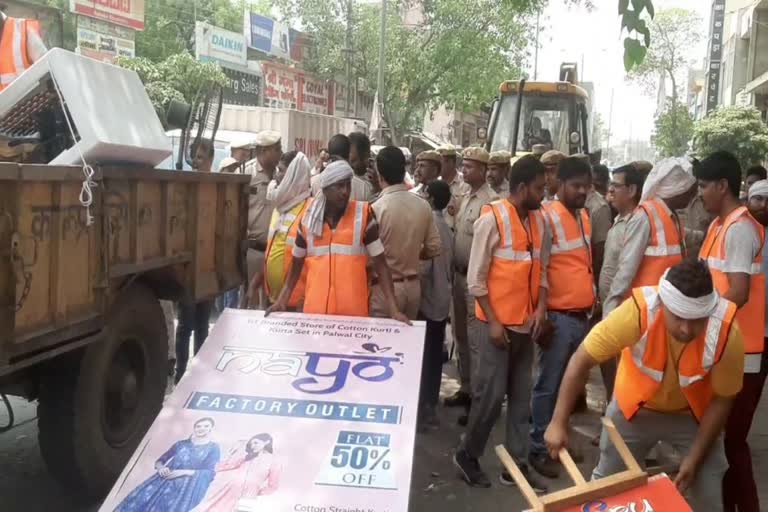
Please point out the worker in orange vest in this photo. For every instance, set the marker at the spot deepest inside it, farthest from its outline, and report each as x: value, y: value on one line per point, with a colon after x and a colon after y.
x: 507, y: 276
x: 733, y: 250
x: 570, y: 276
x: 654, y: 239
x: 335, y: 239
x: 20, y: 47
x: 680, y: 371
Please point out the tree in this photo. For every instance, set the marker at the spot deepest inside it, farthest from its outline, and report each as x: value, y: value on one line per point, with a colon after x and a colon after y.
x: 169, y: 25
x: 739, y: 130
x: 457, y: 54
x: 178, y: 77
x: 674, y: 130
x: 675, y: 33
x: 600, y: 134
x: 632, y: 19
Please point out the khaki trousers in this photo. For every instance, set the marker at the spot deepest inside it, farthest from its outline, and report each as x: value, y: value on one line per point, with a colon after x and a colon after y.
x: 407, y: 298
x: 468, y: 331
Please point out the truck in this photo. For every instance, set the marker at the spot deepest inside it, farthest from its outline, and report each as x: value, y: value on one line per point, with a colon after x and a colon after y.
x: 87, y: 252
x: 301, y: 131
x: 81, y: 327
x: 552, y: 114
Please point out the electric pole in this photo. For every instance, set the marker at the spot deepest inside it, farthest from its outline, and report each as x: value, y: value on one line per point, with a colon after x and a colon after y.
x: 536, y: 50
x: 348, y: 51
x: 380, y: 78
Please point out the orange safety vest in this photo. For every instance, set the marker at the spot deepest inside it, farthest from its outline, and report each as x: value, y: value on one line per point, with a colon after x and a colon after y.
x: 289, y: 224
x: 642, y: 365
x: 516, y: 260
x: 751, y: 316
x: 666, y: 246
x: 337, y: 282
x: 570, y: 277
x: 14, y: 59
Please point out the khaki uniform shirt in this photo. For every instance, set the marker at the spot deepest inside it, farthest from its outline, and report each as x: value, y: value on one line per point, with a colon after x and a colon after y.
x: 695, y: 219
x: 458, y: 190
x: 599, y: 216
x: 469, y: 212
x: 259, y: 207
x: 406, y: 225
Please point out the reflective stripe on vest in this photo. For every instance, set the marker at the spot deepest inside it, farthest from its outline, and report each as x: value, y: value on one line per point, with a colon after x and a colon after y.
x: 751, y: 316
x: 337, y: 280
x: 570, y: 277
x: 13, y: 51
x: 514, y: 272
x: 647, y: 358
x: 665, y: 244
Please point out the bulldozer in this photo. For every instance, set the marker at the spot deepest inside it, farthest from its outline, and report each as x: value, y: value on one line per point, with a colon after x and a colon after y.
x: 554, y: 115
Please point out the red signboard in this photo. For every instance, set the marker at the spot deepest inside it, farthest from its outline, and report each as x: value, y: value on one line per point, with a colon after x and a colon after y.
x: 127, y: 13
x: 313, y: 95
x: 280, y: 86
x: 658, y: 495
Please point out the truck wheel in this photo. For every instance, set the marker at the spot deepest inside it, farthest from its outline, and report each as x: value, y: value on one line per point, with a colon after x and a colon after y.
x: 96, y: 406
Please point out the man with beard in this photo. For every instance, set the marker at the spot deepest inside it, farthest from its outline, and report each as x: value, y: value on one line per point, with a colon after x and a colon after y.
x: 570, y: 299
x: 507, y: 277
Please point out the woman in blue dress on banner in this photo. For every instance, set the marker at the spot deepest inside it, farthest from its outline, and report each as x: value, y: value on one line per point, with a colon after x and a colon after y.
x: 182, y: 475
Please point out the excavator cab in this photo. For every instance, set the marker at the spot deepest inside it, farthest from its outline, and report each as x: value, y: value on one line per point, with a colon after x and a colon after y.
x: 552, y: 114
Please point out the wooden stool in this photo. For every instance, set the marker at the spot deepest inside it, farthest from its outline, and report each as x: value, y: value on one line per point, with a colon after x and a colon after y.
x: 582, y: 491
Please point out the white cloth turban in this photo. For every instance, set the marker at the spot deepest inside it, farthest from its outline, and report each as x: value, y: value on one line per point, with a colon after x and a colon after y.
x: 669, y: 178
x: 688, y: 308
x: 759, y: 188
x: 335, y: 172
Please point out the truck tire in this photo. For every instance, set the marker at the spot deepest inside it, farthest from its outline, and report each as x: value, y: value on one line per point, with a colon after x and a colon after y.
x: 96, y: 406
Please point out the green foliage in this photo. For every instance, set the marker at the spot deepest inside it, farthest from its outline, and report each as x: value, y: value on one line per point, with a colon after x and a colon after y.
x: 170, y: 24
x: 674, y: 130
x: 638, y: 39
x: 178, y: 77
x: 456, y: 53
x: 675, y: 33
x: 736, y: 129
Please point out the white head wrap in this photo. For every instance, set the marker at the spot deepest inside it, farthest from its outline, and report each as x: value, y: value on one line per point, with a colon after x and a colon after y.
x: 759, y: 188
x: 669, y: 178
x: 683, y: 306
x: 295, y: 185
x: 335, y: 172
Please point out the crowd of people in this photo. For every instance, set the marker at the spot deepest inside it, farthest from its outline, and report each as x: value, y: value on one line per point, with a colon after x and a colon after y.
x: 545, y: 265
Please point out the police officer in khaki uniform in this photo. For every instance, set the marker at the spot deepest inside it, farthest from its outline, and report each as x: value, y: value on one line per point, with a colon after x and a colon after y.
x: 262, y: 171
x: 498, y: 171
x: 468, y: 331
x: 450, y: 174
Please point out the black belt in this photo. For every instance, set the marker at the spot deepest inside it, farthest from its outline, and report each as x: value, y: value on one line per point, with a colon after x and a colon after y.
x: 574, y: 313
x: 254, y: 244
x: 404, y: 279
x: 461, y: 269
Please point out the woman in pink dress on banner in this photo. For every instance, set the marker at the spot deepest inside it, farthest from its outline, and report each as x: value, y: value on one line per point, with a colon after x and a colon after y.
x: 250, y: 471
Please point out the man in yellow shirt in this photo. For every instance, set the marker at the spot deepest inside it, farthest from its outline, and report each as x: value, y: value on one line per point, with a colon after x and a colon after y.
x: 291, y: 198
x: 682, y: 363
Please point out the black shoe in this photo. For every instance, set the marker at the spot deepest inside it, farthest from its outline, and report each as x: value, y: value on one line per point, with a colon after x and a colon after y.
x: 538, y: 486
x: 470, y: 470
x: 544, y: 465
x: 458, y: 399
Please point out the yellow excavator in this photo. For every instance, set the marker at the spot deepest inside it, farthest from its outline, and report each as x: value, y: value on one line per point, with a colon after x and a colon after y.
x: 552, y: 114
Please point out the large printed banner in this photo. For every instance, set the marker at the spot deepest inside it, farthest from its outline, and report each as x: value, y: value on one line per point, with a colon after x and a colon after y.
x: 286, y: 413
x: 280, y: 86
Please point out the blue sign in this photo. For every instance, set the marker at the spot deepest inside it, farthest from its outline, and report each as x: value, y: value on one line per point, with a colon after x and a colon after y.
x: 261, y: 33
